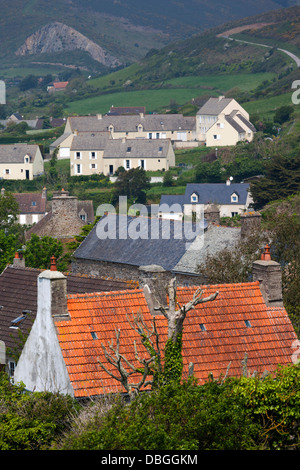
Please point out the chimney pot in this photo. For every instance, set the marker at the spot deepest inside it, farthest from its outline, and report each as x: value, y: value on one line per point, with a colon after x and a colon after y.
x: 19, y: 261
x: 53, y: 264
x: 267, y: 254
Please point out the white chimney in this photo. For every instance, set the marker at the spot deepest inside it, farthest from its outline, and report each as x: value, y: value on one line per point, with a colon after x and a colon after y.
x: 41, y: 366
x: 99, y: 116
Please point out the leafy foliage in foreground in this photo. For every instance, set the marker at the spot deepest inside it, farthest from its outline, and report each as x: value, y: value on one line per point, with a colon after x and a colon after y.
x: 246, y: 413
x: 31, y: 421
x: 234, y: 414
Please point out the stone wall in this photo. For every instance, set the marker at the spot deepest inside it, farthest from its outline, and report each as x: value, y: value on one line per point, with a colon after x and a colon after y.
x: 128, y: 272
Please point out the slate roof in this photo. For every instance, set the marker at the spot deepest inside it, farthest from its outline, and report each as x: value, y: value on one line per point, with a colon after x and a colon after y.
x: 210, y: 193
x: 90, y: 140
x: 137, y: 148
x: 235, y: 124
x: 119, y: 110
x: 215, y: 334
x: 151, y: 244
x: 170, y: 199
x: 150, y: 122
x: 246, y: 122
x: 214, y: 239
x: 181, y: 254
x: 15, y: 153
x: 31, y: 203
x: 214, y: 106
x: 18, y: 292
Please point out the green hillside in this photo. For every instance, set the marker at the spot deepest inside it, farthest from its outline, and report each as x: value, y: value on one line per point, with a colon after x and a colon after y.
x: 203, y: 65
x: 182, y: 75
x: 126, y: 30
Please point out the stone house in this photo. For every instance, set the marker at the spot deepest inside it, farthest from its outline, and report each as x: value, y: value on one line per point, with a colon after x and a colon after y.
x: 64, y: 347
x: 20, y: 161
x: 86, y: 152
x: 120, y: 245
x: 222, y: 121
x: 175, y: 127
x: 94, y: 153
x: 151, y: 155
x: 65, y: 218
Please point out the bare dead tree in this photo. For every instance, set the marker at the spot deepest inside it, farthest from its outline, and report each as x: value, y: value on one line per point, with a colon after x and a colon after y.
x: 176, y: 316
x: 152, y: 366
x: 119, y: 361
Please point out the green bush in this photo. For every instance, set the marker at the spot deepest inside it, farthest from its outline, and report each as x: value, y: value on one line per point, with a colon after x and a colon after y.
x: 31, y: 421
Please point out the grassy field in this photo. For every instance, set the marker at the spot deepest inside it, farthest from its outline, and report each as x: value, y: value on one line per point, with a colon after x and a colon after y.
x: 153, y: 100
x: 183, y: 90
x: 247, y: 81
x: 267, y: 106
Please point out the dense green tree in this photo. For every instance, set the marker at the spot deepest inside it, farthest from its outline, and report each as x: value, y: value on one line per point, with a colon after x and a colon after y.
x: 168, y: 179
x: 9, y: 210
x: 283, y: 114
x: 208, y: 172
x: 31, y: 81
x: 281, y: 179
x: 9, y: 244
x: 132, y: 183
x: 38, y: 252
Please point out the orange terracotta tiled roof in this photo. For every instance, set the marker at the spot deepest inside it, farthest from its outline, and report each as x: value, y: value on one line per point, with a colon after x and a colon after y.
x: 94, y: 318
x: 215, y: 335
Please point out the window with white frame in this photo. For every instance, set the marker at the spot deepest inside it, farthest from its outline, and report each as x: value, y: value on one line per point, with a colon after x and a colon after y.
x: 194, y: 197
x: 7, y: 171
x: 217, y: 137
x: 234, y: 197
x: 142, y: 164
x: 93, y: 155
x: 78, y: 169
x: 127, y: 164
x: 78, y: 155
x: 93, y: 166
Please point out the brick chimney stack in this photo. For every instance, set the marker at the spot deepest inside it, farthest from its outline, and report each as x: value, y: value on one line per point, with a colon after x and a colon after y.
x: 268, y: 273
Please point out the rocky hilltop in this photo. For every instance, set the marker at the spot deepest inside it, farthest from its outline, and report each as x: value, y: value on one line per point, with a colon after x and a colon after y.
x: 58, y: 37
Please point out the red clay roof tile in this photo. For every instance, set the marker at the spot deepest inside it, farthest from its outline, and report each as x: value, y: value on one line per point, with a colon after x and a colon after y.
x: 267, y: 340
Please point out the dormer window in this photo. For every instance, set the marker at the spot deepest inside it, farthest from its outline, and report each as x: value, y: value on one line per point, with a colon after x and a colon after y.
x: 234, y: 197
x: 194, y: 197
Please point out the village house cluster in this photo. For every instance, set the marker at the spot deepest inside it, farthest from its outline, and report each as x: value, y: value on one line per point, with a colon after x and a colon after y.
x: 129, y: 138
x: 70, y: 316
